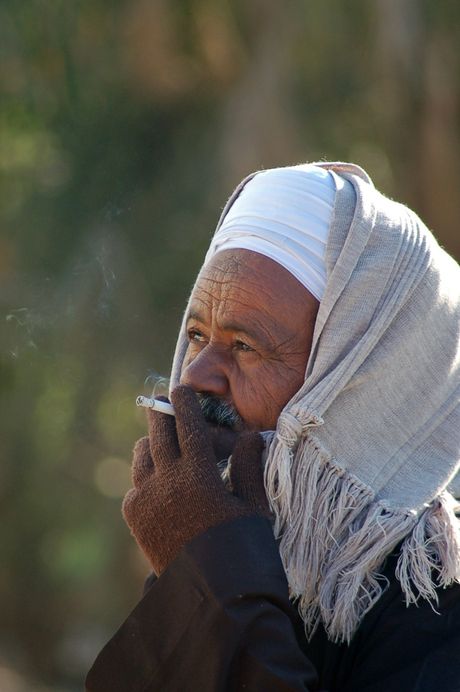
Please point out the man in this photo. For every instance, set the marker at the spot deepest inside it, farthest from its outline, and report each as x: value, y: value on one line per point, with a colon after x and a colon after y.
x: 330, y: 559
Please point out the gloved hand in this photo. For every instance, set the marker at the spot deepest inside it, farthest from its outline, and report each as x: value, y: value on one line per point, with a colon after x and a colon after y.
x: 246, y: 476
x: 178, y: 492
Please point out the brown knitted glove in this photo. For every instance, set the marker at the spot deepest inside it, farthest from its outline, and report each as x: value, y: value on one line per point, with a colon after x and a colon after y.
x: 246, y: 478
x: 178, y: 492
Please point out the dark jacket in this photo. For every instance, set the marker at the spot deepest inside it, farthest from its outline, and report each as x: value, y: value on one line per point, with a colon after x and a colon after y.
x: 219, y: 618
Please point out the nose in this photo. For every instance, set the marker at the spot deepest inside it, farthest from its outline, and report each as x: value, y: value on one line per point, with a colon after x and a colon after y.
x: 207, y: 372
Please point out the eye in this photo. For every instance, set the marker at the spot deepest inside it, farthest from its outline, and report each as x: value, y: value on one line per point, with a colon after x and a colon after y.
x: 241, y: 346
x: 194, y: 335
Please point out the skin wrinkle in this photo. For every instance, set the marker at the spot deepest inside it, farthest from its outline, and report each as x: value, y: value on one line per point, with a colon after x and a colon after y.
x: 243, y: 299
x: 245, y: 293
x: 259, y: 331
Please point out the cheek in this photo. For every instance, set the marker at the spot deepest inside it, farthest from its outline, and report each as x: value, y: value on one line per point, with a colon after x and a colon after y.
x: 193, y: 350
x: 261, y: 395
x: 187, y: 360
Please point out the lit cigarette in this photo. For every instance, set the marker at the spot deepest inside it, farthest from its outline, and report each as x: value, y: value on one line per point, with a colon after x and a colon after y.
x: 155, y: 405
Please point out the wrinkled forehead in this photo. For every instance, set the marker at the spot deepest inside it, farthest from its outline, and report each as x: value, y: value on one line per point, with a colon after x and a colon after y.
x: 250, y: 277
x: 239, y: 266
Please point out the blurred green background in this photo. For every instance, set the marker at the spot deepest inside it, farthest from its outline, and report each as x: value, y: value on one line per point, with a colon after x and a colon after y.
x: 124, y: 126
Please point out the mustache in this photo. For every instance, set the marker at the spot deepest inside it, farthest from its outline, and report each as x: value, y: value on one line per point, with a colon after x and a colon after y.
x: 219, y: 411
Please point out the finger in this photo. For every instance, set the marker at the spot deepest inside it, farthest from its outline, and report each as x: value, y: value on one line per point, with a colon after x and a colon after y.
x: 164, y: 446
x: 192, y: 430
x: 223, y: 440
x: 127, y: 506
x: 246, y: 473
x: 143, y: 466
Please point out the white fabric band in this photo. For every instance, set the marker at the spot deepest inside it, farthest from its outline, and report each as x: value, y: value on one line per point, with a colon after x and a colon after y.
x: 285, y: 214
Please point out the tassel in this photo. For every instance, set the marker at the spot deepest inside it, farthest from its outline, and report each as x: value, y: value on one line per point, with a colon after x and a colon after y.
x: 334, y: 537
x: 433, y: 546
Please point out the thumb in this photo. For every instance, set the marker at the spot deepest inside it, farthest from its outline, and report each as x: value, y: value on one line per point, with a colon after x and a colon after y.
x: 246, y: 473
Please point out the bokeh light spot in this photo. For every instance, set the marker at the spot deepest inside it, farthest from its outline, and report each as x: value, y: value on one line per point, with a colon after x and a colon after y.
x: 113, y: 477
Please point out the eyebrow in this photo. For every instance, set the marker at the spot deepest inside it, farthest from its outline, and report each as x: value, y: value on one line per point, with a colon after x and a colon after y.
x: 234, y: 326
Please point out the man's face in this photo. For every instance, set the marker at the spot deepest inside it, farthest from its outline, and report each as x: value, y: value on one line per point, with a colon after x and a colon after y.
x: 250, y: 330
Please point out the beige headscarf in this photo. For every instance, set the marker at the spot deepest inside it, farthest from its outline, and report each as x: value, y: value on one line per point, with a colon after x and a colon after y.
x: 364, y: 452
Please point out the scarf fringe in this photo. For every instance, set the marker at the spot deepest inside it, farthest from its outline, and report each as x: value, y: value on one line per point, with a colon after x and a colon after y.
x: 334, y: 538
x: 433, y: 547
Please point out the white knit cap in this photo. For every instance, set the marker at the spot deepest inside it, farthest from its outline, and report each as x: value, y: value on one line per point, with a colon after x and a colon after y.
x: 285, y: 214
